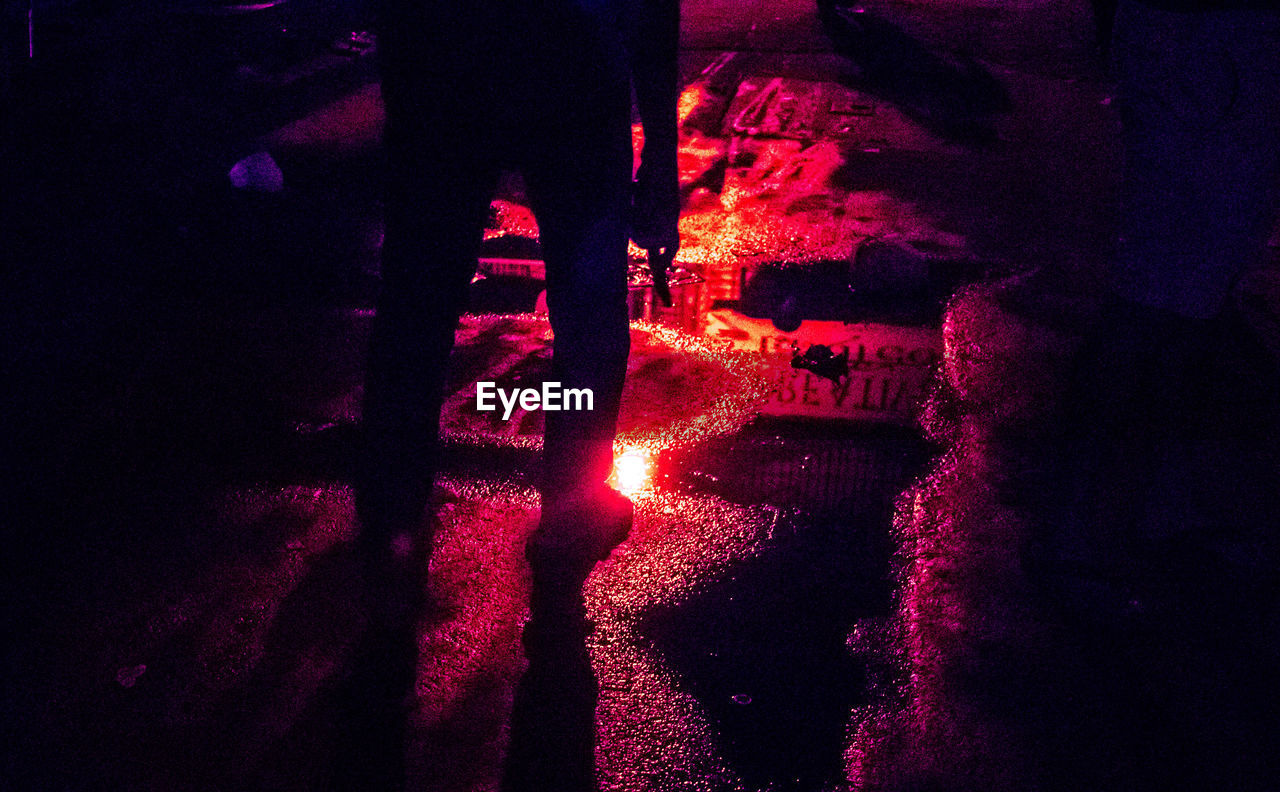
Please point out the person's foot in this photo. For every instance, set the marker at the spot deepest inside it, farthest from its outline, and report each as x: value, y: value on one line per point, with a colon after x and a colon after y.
x: 577, y: 531
x: 394, y: 574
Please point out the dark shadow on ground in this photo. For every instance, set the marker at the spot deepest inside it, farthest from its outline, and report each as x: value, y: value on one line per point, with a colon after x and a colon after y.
x: 553, y: 717
x: 332, y: 632
x: 764, y: 647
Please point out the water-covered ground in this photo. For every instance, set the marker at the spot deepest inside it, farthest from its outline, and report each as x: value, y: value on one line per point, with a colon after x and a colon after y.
x: 810, y: 599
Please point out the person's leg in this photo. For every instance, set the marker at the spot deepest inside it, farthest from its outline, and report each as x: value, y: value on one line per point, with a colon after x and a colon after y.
x: 579, y: 185
x: 1201, y: 135
x: 1200, y: 103
x: 435, y: 211
x: 1160, y: 545
x: 581, y: 199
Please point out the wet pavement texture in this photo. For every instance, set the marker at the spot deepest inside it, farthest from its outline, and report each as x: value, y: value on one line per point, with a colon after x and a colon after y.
x: 801, y: 605
x: 212, y: 653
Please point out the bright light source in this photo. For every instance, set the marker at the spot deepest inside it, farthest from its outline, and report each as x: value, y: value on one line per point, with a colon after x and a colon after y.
x: 631, y: 471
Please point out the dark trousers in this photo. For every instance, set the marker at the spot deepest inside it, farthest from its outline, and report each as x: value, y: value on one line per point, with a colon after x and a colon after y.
x: 1200, y: 102
x: 444, y: 159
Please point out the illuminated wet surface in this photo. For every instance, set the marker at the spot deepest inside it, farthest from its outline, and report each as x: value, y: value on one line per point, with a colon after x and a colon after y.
x: 721, y: 629
x: 719, y: 642
x: 793, y: 609
x: 739, y: 639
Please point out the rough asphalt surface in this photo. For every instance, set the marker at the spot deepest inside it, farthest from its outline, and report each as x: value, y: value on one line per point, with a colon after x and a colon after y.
x: 183, y: 609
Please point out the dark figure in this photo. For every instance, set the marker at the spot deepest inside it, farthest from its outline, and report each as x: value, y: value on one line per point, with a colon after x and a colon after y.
x: 1173, y: 400
x: 1162, y: 549
x: 473, y: 88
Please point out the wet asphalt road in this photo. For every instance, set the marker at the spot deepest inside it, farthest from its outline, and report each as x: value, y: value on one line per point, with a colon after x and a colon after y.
x: 182, y: 595
x: 202, y: 643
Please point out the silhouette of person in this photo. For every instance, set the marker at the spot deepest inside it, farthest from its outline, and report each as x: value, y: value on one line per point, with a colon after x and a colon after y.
x: 1173, y: 398
x: 1163, y: 552
x: 471, y: 89
x: 544, y: 88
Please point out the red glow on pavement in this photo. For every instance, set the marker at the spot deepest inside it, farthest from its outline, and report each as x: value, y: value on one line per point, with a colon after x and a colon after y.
x: 632, y: 472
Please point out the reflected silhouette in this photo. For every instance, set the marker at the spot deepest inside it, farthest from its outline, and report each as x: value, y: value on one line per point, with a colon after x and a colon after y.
x: 553, y: 730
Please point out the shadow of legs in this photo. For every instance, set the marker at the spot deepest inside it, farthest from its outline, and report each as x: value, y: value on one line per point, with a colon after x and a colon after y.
x: 553, y: 725
x: 372, y: 700
x: 371, y: 705
x: 325, y: 707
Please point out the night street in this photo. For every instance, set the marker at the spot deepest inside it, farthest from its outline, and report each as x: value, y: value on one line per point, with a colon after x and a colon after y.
x: 852, y: 442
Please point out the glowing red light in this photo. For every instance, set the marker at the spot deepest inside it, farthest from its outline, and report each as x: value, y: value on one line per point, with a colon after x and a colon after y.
x: 631, y: 472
